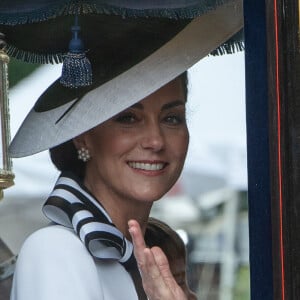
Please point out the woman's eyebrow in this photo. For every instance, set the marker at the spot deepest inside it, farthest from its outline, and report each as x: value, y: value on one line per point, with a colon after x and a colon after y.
x: 164, y: 107
x: 172, y: 104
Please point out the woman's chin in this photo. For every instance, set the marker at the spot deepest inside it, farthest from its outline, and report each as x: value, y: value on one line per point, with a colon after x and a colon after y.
x: 151, y: 190
x: 148, y: 197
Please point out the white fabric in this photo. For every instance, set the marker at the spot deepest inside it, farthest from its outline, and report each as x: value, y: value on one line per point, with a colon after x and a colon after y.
x: 54, y: 264
x: 69, y: 197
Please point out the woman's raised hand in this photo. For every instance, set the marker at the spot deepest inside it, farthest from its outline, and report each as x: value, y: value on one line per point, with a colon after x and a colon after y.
x: 158, y: 281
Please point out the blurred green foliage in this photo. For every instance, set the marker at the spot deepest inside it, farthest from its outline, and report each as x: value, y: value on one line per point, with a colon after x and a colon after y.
x: 17, y: 70
x: 242, y: 284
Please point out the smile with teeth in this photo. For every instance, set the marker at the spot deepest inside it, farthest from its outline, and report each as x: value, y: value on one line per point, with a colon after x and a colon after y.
x: 146, y: 166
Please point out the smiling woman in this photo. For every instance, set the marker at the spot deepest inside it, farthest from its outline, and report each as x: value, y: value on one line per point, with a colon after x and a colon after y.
x: 128, y: 162
x: 138, y: 155
x: 172, y: 115
x: 116, y: 129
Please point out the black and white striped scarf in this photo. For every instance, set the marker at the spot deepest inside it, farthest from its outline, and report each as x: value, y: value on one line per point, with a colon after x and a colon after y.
x: 71, y: 205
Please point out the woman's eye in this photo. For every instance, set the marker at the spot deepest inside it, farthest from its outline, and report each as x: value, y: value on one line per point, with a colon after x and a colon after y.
x: 126, y: 118
x: 174, y: 119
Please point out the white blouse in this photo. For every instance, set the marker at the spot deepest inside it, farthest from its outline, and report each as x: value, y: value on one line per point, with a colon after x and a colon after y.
x: 54, y: 264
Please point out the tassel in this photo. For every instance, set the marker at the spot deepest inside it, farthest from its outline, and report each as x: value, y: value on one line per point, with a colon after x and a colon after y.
x: 77, y: 69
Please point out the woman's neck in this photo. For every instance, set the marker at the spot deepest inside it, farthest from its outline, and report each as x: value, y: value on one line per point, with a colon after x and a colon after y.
x: 121, y: 209
x: 121, y: 214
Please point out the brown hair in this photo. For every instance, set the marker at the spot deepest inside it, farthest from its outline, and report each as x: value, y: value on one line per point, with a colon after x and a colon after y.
x: 162, y: 235
x: 65, y: 158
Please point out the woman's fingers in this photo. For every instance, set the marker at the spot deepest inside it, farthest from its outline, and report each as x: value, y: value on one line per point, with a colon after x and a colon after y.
x: 166, y: 274
x: 158, y: 281
x: 150, y: 273
x: 143, y: 255
x: 138, y: 241
x: 163, y: 265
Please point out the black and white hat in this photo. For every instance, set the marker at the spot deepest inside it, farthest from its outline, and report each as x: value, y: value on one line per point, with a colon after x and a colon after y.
x: 118, y: 53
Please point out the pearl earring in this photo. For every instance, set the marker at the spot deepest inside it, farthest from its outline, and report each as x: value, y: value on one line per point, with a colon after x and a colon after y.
x: 83, y: 154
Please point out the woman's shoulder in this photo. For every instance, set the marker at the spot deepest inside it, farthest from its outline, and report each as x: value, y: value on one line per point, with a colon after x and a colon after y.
x: 54, y: 264
x: 52, y: 233
x: 56, y: 248
x: 54, y: 241
x: 53, y: 236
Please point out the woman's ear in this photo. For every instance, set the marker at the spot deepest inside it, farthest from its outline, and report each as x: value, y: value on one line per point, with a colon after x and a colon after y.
x: 80, y: 141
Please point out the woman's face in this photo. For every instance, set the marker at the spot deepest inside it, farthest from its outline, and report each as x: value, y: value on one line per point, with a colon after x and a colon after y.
x: 139, y: 153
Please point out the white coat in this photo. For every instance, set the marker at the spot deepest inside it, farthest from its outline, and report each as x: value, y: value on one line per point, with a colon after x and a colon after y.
x: 54, y: 264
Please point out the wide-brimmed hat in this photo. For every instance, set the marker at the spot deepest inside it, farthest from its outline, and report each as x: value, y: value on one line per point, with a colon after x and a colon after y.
x: 133, y: 49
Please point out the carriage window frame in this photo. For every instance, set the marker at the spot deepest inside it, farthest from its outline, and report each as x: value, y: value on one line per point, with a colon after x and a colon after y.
x: 272, y: 65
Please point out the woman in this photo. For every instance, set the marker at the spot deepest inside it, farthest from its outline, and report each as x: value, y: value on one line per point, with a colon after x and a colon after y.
x: 131, y: 160
x: 127, y: 123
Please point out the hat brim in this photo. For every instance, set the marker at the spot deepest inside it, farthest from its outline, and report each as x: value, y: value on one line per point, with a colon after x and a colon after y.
x: 44, y: 130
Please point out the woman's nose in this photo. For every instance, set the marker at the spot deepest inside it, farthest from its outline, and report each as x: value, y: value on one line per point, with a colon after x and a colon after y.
x: 153, y: 137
